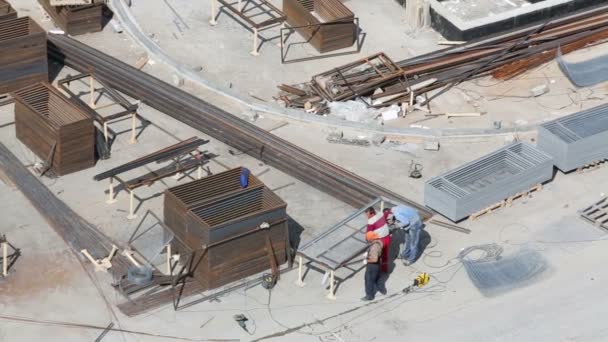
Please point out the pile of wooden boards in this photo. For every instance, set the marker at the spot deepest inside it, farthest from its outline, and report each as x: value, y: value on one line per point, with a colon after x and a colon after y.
x: 23, y: 55
x: 384, y: 83
x: 230, y: 231
x: 7, y: 11
x: 54, y: 128
x: 327, y: 25
x: 76, y: 19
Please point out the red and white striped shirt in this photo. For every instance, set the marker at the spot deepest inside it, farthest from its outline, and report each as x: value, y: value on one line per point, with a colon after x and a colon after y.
x: 377, y: 224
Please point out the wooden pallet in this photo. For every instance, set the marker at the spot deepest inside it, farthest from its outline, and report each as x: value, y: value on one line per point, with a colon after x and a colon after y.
x: 597, y: 213
x: 591, y: 166
x: 505, y: 203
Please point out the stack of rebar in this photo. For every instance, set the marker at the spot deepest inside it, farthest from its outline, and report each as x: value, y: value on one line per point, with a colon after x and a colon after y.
x: 72, y: 228
x: 503, y: 56
x: 223, y: 126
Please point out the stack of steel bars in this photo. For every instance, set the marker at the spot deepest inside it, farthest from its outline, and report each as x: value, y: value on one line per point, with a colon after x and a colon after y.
x: 503, y: 56
x: 73, y: 229
x: 222, y: 125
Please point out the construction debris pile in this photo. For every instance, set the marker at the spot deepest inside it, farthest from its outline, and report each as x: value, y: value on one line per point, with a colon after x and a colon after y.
x: 380, y: 82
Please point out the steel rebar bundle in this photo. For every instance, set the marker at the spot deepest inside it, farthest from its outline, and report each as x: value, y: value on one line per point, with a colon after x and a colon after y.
x: 73, y: 229
x: 221, y: 125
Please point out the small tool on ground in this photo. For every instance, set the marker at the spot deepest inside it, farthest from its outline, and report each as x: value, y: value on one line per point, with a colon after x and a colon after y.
x: 415, y: 170
x: 421, y: 280
x: 242, y: 321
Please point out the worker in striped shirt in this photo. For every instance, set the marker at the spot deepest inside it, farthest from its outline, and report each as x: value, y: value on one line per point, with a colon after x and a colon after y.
x: 376, y: 222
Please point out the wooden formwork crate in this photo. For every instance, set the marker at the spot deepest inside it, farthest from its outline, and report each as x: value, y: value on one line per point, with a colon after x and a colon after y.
x: 327, y: 25
x: 54, y: 128
x: 222, y: 232
x: 7, y: 11
x: 23, y: 54
x: 76, y: 19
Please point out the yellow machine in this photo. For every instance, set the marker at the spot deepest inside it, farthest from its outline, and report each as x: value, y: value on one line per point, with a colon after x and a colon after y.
x: 421, y: 280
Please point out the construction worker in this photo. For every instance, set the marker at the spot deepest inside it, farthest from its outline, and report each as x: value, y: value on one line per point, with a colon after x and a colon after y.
x: 377, y: 223
x: 408, y: 218
x: 373, y: 273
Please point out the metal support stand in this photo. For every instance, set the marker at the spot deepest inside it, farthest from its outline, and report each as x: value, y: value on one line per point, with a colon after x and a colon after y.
x: 111, y: 198
x: 105, y: 132
x: 129, y: 255
x: 213, y: 13
x: 255, y: 52
x: 4, y: 259
x: 332, y: 286
x: 133, y: 125
x: 300, y: 281
x: 132, y: 214
x: 169, y: 258
x: 92, y: 92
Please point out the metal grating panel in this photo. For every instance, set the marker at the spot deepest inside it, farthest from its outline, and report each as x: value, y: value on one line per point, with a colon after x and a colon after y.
x: 487, y: 180
x: 577, y: 139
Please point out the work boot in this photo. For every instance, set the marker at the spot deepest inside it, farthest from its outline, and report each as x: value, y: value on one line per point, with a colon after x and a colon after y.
x: 383, y: 292
x: 367, y: 299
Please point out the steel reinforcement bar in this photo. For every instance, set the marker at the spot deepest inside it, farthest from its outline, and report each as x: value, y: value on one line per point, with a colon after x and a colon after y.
x: 217, y: 123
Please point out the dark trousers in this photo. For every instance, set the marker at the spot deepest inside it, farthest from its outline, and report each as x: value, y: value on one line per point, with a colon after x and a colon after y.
x: 374, y: 281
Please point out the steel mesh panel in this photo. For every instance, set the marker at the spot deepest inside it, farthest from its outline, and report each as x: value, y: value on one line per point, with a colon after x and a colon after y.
x: 482, y: 182
x: 577, y: 139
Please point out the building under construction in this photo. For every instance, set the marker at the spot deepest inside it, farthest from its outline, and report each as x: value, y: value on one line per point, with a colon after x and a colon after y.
x: 227, y: 170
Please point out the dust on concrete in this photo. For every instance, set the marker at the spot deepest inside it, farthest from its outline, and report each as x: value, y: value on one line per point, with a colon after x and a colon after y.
x: 37, y: 275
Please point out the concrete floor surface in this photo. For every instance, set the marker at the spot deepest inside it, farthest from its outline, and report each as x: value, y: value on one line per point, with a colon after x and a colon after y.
x: 566, y: 303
